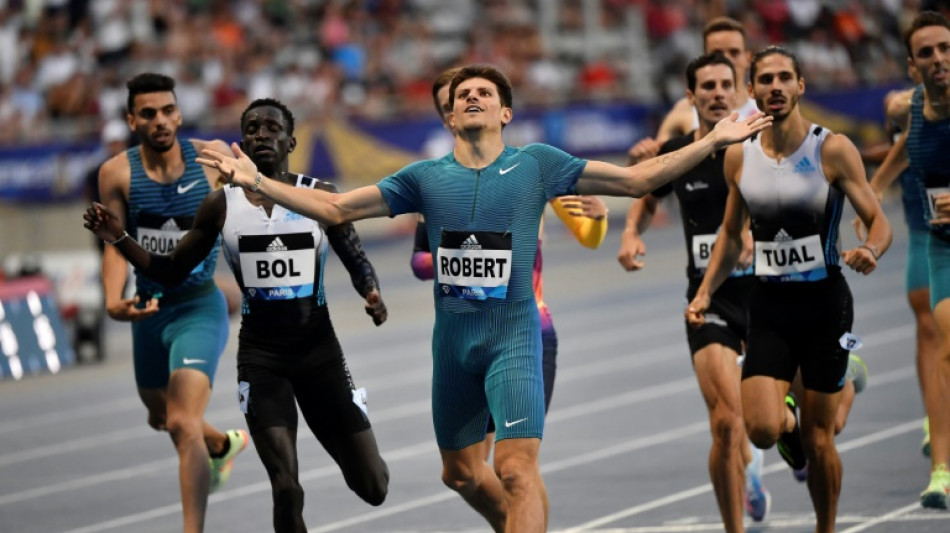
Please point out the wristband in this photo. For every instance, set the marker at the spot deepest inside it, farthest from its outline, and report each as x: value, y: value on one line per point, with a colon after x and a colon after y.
x: 257, y: 182
x: 125, y: 235
x: 871, y: 248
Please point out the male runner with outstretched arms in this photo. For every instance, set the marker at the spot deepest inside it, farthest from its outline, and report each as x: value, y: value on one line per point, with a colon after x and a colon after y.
x: 585, y: 216
x: 482, y: 205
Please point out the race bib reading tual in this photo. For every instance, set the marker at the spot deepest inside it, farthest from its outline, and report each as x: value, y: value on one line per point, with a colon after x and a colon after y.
x: 474, y: 265
x: 791, y: 260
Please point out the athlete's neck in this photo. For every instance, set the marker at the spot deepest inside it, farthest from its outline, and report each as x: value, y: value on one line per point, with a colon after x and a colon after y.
x: 163, y: 167
x: 474, y: 150
x: 937, y: 100
x: 785, y: 136
x: 741, y: 98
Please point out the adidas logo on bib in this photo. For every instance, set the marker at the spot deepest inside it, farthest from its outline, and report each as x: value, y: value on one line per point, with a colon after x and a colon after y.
x: 471, y: 243
x: 170, y: 225
x: 276, y: 245
x: 782, y: 235
x: 803, y: 166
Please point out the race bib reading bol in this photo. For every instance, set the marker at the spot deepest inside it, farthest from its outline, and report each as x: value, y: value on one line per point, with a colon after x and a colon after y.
x: 474, y: 265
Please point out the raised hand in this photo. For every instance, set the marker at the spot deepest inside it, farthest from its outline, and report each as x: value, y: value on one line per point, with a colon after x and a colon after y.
x: 239, y: 170
x: 731, y: 130
x: 100, y: 220
x: 375, y: 307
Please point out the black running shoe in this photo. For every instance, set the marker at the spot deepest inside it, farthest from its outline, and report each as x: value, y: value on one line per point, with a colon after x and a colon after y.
x: 790, y: 443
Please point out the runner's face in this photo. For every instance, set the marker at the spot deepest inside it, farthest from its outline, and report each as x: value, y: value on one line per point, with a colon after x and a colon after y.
x: 776, y: 87
x: 155, y: 118
x: 931, y: 56
x: 715, y: 93
x: 265, y: 138
x: 478, y: 106
x: 445, y: 107
x: 731, y: 44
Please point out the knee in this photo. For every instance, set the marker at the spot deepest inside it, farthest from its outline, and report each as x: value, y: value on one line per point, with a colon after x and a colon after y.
x: 763, y: 436
x: 374, y: 487
x: 818, y: 442
x: 727, y: 428
x: 156, y: 420
x: 516, y: 471
x: 184, y: 428
x: 460, y: 478
x: 288, y: 494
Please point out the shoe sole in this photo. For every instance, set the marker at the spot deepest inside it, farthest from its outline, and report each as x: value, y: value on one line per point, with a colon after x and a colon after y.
x: 768, y: 508
x: 933, y: 500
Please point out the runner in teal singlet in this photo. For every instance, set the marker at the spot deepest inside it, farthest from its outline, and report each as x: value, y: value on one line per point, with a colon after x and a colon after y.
x: 156, y: 188
x: 482, y: 205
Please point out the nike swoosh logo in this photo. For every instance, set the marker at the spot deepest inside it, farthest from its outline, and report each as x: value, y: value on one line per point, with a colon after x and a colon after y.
x: 520, y: 420
x: 507, y: 170
x: 192, y: 361
x: 182, y: 189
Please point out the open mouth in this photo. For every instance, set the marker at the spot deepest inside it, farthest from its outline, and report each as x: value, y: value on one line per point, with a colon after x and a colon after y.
x: 473, y: 109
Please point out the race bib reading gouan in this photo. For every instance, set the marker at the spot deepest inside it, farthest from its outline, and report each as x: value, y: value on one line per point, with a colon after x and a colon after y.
x: 474, y: 265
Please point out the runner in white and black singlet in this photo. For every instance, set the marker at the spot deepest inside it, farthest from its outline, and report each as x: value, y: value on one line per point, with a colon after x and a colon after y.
x: 288, y: 352
x: 792, y: 181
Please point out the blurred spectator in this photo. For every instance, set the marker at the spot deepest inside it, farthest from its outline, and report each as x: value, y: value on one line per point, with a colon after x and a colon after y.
x: 63, y: 63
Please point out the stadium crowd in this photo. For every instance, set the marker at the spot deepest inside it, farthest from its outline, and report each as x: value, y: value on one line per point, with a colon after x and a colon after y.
x: 63, y: 63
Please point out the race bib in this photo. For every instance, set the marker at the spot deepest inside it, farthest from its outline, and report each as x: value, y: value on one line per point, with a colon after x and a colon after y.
x: 932, y: 193
x: 160, y: 234
x: 702, y: 247
x: 278, y: 267
x: 791, y: 260
x: 474, y: 265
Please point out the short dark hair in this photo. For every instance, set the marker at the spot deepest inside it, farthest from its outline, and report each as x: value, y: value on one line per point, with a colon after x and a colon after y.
x: 719, y: 24
x: 715, y: 58
x: 443, y: 79
x: 923, y: 20
x: 772, y: 50
x: 271, y: 102
x: 488, y: 72
x: 148, y: 82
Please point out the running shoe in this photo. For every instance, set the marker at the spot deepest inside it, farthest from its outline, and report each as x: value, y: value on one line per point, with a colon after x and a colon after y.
x: 801, y: 475
x: 221, y: 466
x: 790, y: 443
x: 925, y: 445
x: 758, y: 501
x: 857, y: 373
x: 936, y: 495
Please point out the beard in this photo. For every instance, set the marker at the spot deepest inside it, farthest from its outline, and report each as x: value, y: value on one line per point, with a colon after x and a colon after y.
x: 791, y: 102
x: 159, y: 147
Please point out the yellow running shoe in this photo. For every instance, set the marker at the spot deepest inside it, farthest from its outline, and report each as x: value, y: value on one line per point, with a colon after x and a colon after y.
x: 221, y: 466
x: 857, y: 373
x: 936, y: 494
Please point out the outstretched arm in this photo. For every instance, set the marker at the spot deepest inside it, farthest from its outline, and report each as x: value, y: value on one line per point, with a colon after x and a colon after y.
x: 173, y: 268
x: 325, y: 207
x: 599, y: 177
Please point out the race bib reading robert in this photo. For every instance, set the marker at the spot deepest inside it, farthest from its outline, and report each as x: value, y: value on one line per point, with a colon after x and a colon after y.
x: 278, y: 267
x: 474, y: 265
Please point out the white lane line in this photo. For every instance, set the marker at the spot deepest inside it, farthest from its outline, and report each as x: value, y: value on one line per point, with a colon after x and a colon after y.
x: 69, y: 415
x: 693, y: 524
x: 859, y: 442
x: 883, y: 518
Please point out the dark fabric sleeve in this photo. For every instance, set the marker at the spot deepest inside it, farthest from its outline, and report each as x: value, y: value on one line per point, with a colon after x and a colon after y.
x: 348, y: 247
